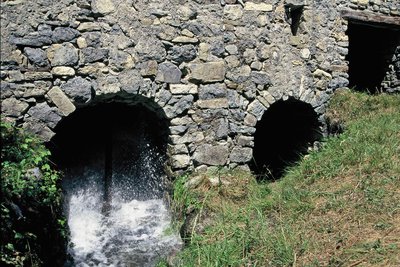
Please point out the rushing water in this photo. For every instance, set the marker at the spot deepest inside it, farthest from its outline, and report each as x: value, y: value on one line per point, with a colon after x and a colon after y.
x: 129, y: 227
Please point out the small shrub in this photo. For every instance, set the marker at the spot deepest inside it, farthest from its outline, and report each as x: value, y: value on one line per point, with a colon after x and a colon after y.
x: 32, y: 228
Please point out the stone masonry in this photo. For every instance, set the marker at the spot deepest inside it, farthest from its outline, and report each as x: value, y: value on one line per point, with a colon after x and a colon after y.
x: 209, y: 67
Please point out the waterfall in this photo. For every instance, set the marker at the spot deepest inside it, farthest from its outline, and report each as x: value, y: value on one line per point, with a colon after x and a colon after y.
x: 114, y: 204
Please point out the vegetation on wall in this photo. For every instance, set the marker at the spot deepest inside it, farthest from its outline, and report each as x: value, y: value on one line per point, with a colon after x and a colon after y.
x: 32, y: 230
x: 339, y: 206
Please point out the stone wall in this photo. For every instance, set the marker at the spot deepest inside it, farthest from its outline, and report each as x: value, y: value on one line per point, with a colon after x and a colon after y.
x: 211, y: 68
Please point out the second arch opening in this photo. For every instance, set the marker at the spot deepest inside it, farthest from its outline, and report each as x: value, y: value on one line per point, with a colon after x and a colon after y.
x: 285, y: 133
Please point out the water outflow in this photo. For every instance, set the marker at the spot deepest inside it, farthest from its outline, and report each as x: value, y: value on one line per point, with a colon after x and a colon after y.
x: 115, y: 208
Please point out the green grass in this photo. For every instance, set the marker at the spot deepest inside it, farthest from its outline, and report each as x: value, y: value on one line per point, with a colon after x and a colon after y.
x: 339, y: 206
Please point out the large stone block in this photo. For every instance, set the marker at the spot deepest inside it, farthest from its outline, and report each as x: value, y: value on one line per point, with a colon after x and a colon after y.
x: 207, y: 72
x: 215, y: 155
x: 61, y: 101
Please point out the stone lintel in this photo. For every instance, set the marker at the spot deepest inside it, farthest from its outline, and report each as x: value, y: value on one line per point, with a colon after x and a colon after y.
x: 370, y: 17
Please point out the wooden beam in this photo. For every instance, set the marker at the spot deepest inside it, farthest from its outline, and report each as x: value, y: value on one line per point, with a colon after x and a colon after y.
x: 371, y: 17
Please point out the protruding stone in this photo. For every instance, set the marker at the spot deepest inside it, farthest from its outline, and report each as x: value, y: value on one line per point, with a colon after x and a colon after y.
x: 216, y: 155
x: 207, y: 72
x: 63, y: 71
x: 61, y: 100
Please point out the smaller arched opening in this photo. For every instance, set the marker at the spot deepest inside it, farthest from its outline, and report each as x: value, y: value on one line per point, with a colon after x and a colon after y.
x: 285, y: 132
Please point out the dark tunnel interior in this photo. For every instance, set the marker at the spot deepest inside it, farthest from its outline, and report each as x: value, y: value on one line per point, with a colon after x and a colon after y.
x: 371, y: 50
x: 125, y: 143
x: 285, y: 132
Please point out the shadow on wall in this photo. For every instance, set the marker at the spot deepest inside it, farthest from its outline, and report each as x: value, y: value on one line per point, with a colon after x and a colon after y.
x: 285, y: 132
x: 115, y: 140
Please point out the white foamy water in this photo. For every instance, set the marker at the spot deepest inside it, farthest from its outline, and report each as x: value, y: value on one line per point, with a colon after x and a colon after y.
x: 132, y: 234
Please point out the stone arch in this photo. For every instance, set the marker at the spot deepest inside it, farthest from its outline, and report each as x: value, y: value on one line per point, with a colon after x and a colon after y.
x: 119, y: 137
x: 287, y: 129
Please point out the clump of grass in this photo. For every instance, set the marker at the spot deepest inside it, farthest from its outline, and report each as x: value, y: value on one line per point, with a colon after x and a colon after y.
x: 338, y: 207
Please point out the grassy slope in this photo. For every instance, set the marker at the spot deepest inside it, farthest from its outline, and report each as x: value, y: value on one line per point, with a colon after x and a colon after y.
x: 339, y: 207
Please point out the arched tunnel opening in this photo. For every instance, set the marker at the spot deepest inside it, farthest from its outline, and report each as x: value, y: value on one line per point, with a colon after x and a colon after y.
x: 286, y: 131
x: 125, y: 145
x: 112, y: 157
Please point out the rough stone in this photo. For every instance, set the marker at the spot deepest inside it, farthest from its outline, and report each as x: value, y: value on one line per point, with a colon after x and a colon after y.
x: 180, y: 161
x: 250, y: 6
x: 90, y: 54
x: 257, y: 109
x: 37, y: 75
x: 210, y: 91
x: 168, y: 73
x: 34, y: 40
x: 63, y: 71
x: 183, y: 89
x: 260, y: 77
x: 63, y: 55
x: 102, y: 7
x: 38, y: 128
x: 213, y: 103
x: 148, y: 68
x: 13, y: 107
x: 182, y: 53
x: 241, y: 154
x: 185, y: 39
x: 207, y: 72
x: 214, y: 155
x: 120, y: 60
x: 149, y: 48
x: 78, y: 89
x: 61, y: 101
x: 64, y: 34
x: 37, y: 56
x: 233, y: 12
x: 89, y: 27
x: 46, y: 114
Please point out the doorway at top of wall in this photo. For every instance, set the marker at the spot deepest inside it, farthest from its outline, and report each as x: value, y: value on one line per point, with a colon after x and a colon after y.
x: 372, y: 56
